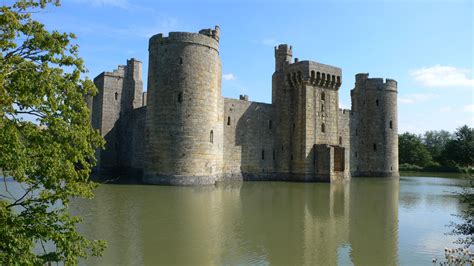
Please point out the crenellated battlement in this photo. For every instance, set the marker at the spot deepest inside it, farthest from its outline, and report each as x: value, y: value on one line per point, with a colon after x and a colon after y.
x: 363, y: 81
x: 206, y: 37
x: 310, y: 72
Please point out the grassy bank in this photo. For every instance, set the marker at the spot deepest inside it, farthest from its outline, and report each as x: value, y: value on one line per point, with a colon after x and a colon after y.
x: 442, y: 169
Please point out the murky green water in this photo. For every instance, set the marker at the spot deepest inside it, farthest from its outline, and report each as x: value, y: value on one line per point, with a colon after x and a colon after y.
x: 365, y: 222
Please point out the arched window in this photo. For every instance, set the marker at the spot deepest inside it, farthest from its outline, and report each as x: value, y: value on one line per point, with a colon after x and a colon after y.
x: 340, y: 140
x: 323, y: 128
x: 180, y: 97
x: 323, y: 96
x: 339, y: 79
x: 312, y: 75
x: 228, y: 120
x: 322, y: 107
x: 318, y: 75
x: 211, y: 136
x: 116, y: 96
x: 324, y: 76
x: 391, y: 124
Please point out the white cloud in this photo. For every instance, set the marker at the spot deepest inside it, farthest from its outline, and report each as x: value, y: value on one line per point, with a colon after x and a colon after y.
x: 100, y: 3
x: 229, y: 76
x: 269, y: 42
x: 445, y: 109
x: 469, y: 108
x: 416, y: 97
x: 443, y: 76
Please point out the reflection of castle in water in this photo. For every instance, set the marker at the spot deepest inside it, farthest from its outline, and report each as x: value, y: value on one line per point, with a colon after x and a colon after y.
x: 279, y: 223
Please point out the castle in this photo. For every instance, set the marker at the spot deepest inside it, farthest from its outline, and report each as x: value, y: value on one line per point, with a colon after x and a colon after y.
x: 181, y: 131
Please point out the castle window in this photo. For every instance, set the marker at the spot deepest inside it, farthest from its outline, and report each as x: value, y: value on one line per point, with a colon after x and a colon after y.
x: 263, y: 155
x: 288, y: 79
x: 180, y: 97
x: 211, y: 136
x: 180, y: 60
x: 312, y: 75
x: 116, y: 96
x: 322, y: 107
x: 282, y: 148
x: 377, y: 102
x: 391, y: 168
x: 318, y: 75
x: 274, y: 154
x: 363, y: 103
x: 299, y: 75
x: 340, y: 140
x: 356, y: 154
x: 269, y: 124
x: 357, y: 132
x: 323, y: 128
x: 228, y: 120
x: 391, y: 124
x: 323, y: 96
x: 294, y: 126
x: 339, y: 79
x: 324, y: 76
x: 375, y: 147
x: 291, y: 157
x: 333, y: 78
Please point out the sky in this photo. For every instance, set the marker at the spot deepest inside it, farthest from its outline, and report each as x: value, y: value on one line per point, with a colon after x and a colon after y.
x: 426, y: 45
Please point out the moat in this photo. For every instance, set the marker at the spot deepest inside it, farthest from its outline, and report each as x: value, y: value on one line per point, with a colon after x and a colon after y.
x: 364, y: 222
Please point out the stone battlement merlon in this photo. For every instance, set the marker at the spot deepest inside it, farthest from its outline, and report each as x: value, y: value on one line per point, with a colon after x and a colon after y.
x: 314, y: 73
x: 208, y: 38
x: 362, y: 79
x: 345, y: 111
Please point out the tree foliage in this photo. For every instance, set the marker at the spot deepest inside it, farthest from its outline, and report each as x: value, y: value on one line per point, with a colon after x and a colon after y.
x: 435, y: 142
x: 412, y: 151
x: 460, y: 150
x: 46, y: 141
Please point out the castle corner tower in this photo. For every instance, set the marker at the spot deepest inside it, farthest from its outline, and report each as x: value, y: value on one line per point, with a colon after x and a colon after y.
x: 374, y: 127
x: 183, y: 128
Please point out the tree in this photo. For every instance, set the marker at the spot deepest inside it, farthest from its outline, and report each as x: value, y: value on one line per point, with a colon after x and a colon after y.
x: 460, y: 150
x: 435, y: 142
x: 412, y: 151
x: 46, y: 140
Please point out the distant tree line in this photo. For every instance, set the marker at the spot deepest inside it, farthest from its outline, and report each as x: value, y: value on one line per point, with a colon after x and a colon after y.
x: 439, y: 151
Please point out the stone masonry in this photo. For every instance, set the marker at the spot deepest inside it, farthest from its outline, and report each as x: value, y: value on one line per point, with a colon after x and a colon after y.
x: 183, y: 132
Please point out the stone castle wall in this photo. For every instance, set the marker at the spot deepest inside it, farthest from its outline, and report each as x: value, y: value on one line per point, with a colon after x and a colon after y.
x: 181, y: 131
x: 248, y: 138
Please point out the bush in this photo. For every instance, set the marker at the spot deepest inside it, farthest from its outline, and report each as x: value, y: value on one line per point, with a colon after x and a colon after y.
x: 409, y: 167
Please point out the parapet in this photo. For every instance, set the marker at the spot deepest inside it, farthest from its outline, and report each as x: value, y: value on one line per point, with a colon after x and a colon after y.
x: 283, y: 49
x: 363, y: 81
x: 244, y: 97
x: 314, y: 73
x: 205, y: 37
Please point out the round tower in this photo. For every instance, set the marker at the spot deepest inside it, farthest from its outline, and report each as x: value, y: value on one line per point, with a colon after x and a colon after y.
x: 374, y: 127
x: 183, y: 128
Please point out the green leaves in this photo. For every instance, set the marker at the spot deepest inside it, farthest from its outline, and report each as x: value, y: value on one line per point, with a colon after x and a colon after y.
x: 46, y: 140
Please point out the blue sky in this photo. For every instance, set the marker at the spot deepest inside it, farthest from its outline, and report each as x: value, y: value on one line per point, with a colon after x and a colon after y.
x: 427, y: 46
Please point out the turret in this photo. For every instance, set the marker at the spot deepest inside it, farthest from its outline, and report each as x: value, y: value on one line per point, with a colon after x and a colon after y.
x: 184, y: 129
x: 374, y: 127
x: 283, y: 56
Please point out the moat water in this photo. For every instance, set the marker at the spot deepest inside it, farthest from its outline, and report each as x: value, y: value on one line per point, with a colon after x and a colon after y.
x: 365, y: 222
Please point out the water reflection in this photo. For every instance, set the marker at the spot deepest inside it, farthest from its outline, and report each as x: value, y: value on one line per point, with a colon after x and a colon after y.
x: 251, y: 222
